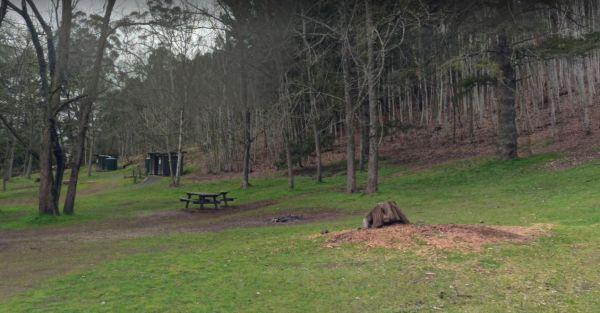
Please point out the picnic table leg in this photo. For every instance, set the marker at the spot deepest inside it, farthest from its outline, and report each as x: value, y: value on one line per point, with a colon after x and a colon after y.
x: 187, y: 203
x: 225, y: 199
x: 201, y: 200
x: 216, y: 203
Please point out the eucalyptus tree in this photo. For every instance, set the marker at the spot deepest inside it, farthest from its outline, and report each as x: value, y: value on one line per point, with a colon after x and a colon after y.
x: 91, y: 90
x: 52, y: 62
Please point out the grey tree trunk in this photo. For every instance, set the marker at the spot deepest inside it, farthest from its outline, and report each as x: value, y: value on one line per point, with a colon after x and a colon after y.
x: 8, y: 163
x: 373, y: 165
x: 179, y: 150
x: 289, y: 161
x: 364, y: 137
x: 313, y: 104
x: 11, y: 159
x: 247, y: 147
x: 86, y: 111
x: 29, y: 167
x: 505, y: 90
x: 287, y: 128
x: 316, y: 136
x: 91, y: 152
x: 350, y: 144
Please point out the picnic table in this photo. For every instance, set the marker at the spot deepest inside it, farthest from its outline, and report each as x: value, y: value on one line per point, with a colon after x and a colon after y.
x: 207, y: 198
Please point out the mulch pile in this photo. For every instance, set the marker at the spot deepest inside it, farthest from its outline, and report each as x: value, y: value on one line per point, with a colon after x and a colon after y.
x: 464, y: 238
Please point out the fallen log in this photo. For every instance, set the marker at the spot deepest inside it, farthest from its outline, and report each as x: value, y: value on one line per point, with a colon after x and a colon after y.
x: 385, y: 213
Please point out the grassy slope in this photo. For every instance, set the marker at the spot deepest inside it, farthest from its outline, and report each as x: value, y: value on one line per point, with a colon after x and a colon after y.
x: 282, y: 269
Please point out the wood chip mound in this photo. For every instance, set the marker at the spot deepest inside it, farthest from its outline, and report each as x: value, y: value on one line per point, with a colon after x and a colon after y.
x: 465, y: 238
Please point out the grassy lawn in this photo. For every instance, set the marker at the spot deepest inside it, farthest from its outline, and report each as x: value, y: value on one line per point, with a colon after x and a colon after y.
x: 287, y: 269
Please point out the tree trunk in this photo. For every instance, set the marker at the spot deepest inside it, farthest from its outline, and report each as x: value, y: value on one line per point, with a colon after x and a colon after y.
x: 373, y: 166
x: 364, y: 136
x: 313, y: 103
x: 29, y: 167
x: 86, y: 111
x: 179, y: 150
x: 246, y: 116
x: 289, y: 161
x: 8, y: 163
x: 505, y: 89
x: 91, y: 152
x: 583, y: 97
x: 350, y: 144
x: 319, y: 176
x: 11, y: 159
x: 554, y: 95
x: 287, y: 127
x: 46, y: 177
x: 247, y: 147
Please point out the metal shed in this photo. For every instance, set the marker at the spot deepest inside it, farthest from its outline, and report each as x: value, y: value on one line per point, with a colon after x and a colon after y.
x: 157, y: 163
x: 106, y: 162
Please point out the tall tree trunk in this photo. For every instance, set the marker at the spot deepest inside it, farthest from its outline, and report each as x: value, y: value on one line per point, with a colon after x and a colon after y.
x: 373, y: 166
x: 584, y: 100
x: 86, y: 111
x: 289, y: 161
x: 247, y: 147
x: 554, y: 95
x: 364, y: 136
x: 179, y: 149
x: 91, y: 150
x: 247, y: 126
x: 46, y: 176
x: 313, y: 103
x: 505, y: 89
x: 8, y: 162
x: 11, y: 158
x: 29, y: 166
x: 317, y: 138
x: 287, y: 130
x: 350, y: 144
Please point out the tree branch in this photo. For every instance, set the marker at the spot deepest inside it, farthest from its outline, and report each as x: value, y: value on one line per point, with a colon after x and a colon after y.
x: 64, y: 104
x: 3, y: 9
x: 20, y: 139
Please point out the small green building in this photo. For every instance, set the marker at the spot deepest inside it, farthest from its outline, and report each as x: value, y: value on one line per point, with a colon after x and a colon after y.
x: 106, y: 163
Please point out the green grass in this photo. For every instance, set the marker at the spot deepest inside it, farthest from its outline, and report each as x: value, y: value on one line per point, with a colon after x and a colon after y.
x: 284, y: 269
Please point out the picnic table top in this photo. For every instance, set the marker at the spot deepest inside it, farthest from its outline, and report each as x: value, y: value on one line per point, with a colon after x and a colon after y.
x: 204, y: 194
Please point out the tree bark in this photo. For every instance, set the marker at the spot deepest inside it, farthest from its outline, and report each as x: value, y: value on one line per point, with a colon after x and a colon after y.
x: 86, y: 111
x: 364, y: 136
x: 373, y: 166
x: 290, y: 163
x: 350, y: 144
x: 313, y: 104
x: 8, y: 162
x: 91, y: 151
x: 179, y: 149
x: 247, y: 126
x: 287, y: 132
x: 247, y: 147
x: 317, y: 138
x: 505, y: 89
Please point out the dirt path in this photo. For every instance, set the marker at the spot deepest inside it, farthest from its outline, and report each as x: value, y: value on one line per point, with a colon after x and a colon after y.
x: 34, y: 255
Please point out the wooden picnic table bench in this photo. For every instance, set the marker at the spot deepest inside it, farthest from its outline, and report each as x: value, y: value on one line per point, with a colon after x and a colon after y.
x: 206, y: 198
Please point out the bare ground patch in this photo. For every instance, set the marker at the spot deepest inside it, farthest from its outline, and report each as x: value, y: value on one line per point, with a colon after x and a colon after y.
x: 33, y: 255
x: 464, y: 238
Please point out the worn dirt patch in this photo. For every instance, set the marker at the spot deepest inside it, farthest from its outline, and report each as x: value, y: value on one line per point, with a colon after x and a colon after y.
x: 30, y: 256
x: 159, y: 223
x: 464, y: 238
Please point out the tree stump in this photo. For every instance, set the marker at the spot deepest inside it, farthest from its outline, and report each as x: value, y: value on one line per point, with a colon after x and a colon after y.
x: 385, y: 213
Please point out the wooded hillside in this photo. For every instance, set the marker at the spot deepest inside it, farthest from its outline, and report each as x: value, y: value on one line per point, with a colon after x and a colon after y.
x: 281, y: 83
